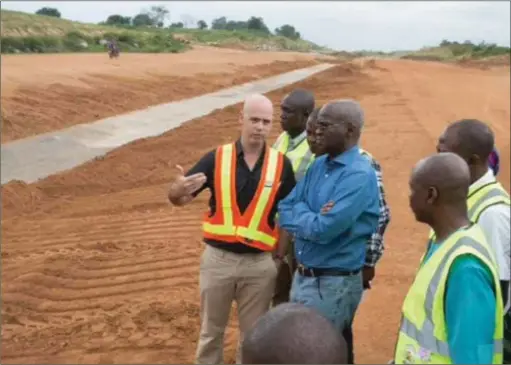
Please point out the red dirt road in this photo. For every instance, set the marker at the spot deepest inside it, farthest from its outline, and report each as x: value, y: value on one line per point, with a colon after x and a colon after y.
x: 42, y: 93
x: 97, y: 267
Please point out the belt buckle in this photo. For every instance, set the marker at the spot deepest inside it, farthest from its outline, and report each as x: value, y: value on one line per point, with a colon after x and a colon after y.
x: 301, y: 270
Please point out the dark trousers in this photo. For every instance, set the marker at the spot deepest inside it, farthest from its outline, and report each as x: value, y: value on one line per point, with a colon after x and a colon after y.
x: 283, y: 284
x: 348, y: 336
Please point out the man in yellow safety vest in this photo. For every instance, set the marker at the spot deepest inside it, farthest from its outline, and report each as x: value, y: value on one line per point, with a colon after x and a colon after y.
x: 488, y: 201
x: 247, y: 179
x: 295, y: 109
x: 452, y: 313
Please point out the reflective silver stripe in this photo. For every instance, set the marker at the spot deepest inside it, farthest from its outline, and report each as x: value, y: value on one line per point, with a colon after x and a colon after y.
x: 491, y: 194
x: 304, y: 164
x: 425, y: 337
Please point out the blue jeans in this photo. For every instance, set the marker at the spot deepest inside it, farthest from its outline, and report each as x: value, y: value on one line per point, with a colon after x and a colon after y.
x: 335, y: 297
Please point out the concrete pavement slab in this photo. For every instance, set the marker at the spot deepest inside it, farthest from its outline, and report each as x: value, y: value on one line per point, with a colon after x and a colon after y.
x: 37, y: 157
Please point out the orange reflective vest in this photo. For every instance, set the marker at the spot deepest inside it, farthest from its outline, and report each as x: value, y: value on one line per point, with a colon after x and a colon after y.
x: 251, y: 228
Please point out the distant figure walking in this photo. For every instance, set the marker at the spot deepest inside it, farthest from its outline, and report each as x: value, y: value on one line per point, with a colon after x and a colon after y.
x: 113, y: 49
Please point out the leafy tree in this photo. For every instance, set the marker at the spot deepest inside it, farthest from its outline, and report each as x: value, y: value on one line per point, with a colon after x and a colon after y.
x: 219, y: 23
x: 142, y: 19
x: 49, y: 12
x: 177, y: 25
x: 202, y: 24
x: 257, y: 23
x: 117, y: 19
x: 158, y: 14
x: 236, y: 24
x: 287, y: 31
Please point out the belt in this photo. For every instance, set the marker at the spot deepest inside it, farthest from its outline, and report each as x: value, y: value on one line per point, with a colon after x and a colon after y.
x: 311, y: 272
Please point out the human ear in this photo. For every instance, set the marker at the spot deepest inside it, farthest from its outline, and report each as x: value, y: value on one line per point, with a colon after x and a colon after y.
x: 432, y: 195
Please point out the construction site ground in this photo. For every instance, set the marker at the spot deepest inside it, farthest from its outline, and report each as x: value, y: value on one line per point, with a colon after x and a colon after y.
x: 97, y: 267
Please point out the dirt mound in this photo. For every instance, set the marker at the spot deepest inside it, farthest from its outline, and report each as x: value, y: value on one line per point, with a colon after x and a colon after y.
x: 20, y: 197
x: 487, y: 63
x: 33, y: 110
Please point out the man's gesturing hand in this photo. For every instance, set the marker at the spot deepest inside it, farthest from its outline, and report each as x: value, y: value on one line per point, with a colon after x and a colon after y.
x: 187, y: 185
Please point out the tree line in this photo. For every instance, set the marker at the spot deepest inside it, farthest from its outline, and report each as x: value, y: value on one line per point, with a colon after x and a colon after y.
x: 157, y: 16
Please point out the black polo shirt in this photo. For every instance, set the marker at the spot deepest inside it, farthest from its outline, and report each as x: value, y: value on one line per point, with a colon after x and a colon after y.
x: 246, y: 187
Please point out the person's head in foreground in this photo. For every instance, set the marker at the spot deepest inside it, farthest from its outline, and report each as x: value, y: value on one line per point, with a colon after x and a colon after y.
x: 339, y: 126
x: 256, y: 120
x: 439, y: 188
x: 294, y: 111
x: 312, y: 123
x: 473, y: 141
x: 291, y: 333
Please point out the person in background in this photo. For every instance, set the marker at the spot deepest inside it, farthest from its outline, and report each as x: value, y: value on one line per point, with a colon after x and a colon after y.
x: 375, y: 245
x: 488, y: 201
x: 294, y: 111
x: 452, y: 313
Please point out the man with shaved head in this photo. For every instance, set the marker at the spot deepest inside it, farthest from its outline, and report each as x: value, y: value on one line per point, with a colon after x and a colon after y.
x: 488, y: 202
x: 452, y: 313
x: 294, y: 112
x: 293, y: 334
x: 246, y: 179
x: 332, y: 213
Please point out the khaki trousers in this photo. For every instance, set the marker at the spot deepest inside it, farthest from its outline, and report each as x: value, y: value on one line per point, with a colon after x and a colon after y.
x: 249, y: 279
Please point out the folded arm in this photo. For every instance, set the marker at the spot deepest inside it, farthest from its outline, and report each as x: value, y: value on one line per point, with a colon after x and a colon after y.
x: 350, y: 199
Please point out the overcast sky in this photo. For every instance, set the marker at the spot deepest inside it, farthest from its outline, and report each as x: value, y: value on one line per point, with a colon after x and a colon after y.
x: 345, y: 25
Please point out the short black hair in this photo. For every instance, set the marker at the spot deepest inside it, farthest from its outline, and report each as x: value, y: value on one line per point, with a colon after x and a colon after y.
x: 293, y: 334
x: 473, y: 137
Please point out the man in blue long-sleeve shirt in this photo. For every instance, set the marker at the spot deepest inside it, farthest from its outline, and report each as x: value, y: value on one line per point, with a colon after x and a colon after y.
x: 332, y: 212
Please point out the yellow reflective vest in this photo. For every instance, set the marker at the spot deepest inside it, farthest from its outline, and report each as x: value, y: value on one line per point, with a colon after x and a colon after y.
x: 300, y: 156
x: 422, y: 336
x: 481, y: 198
x: 251, y: 228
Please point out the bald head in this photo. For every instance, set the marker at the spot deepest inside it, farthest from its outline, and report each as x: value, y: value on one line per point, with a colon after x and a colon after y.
x: 293, y: 334
x: 256, y: 121
x: 447, y: 172
x: 346, y: 110
x: 257, y: 103
x: 339, y: 126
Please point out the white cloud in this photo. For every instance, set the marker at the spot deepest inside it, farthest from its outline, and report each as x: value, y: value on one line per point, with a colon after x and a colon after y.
x: 377, y: 25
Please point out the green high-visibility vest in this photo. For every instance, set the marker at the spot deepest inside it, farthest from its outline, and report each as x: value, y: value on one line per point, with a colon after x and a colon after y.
x: 300, y: 156
x: 422, y: 336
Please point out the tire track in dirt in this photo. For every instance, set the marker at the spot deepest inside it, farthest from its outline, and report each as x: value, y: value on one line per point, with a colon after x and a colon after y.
x: 117, y: 281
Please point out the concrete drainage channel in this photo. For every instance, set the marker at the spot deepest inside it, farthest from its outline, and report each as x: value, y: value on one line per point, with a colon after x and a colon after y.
x: 34, y: 158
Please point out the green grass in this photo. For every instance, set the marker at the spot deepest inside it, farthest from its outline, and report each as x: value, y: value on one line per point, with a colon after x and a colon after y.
x: 458, y: 52
x: 31, y: 33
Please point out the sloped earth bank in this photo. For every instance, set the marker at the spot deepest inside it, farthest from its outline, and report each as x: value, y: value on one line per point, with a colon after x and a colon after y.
x: 98, y: 268
x: 43, y: 93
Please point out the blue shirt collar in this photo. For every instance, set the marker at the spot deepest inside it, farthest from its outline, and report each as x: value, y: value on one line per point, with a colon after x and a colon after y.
x: 346, y: 157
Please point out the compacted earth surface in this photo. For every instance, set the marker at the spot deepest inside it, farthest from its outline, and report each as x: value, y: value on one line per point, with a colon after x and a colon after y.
x: 42, y: 93
x: 97, y: 267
